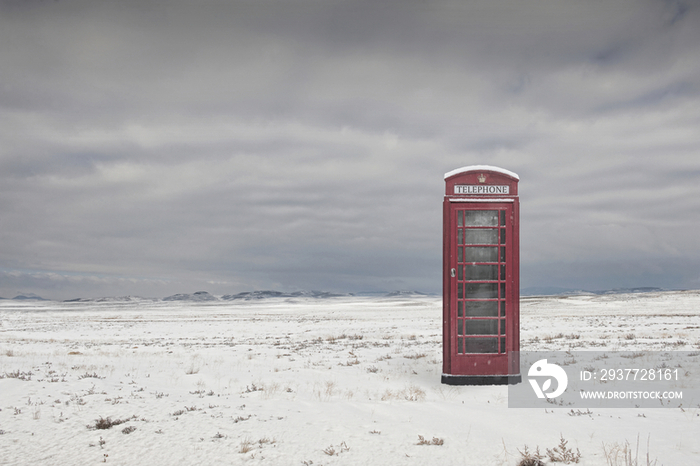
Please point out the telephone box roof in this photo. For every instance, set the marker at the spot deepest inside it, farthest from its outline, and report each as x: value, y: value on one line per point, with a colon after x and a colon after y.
x: 482, y: 168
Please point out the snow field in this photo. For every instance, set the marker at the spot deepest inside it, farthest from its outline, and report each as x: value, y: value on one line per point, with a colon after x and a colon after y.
x: 304, y: 381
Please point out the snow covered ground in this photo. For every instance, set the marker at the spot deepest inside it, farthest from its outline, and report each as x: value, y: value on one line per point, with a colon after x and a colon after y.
x: 302, y: 381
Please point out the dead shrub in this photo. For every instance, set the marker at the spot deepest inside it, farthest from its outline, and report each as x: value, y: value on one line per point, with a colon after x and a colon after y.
x: 106, y: 423
x: 563, y: 454
x: 530, y: 459
x: 435, y: 441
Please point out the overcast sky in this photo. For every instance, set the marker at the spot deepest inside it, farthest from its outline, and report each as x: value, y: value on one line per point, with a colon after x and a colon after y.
x: 149, y: 148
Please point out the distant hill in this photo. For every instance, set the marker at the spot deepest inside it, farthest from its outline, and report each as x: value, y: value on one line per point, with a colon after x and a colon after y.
x: 199, y: 296
x: 110, y: 299
x: 406, y: 294
x: 29, y: 297
x: 263, y: 294
x: 553, y: 291
x: 203, y: 296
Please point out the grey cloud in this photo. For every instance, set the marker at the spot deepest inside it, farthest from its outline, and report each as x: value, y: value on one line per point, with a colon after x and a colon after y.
x: 239, y: 145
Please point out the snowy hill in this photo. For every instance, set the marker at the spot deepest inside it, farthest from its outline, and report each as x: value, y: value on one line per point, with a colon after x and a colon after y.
x: 199, y: 296
x: 556, y: 291
x: 28, y: 297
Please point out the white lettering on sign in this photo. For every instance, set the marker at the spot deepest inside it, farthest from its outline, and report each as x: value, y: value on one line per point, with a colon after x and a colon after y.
x: 481, y: 189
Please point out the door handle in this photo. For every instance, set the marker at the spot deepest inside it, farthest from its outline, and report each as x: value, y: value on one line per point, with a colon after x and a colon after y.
x: 453, y: 272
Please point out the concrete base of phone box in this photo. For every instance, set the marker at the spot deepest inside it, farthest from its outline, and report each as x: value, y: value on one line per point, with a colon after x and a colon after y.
x: 450, y: 379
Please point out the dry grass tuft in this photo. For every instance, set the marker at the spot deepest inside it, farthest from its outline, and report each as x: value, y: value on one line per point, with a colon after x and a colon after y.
x: 621, y: 455
x: 107, y: 423
x: 411, y: 393
x: 21, y: 375
x: 434, y: 441
x: 530, y: 459
x: 246, y: 446
x: 563, y: 454
x: 331, y: 450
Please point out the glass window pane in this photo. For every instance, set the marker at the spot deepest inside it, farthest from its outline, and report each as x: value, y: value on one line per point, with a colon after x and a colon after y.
x: 460, y: 327
x: 460, y: 290
x: 460, y: 347
x: 503, y: 291
x: 481, y: 327
x: 477, y: 254
x: 503, y: 345
x: 481, y: 236
x: 481, y: 308
x: 481, y: 345
x: 480, y: 218
x: 460, y: 273
x: 503, y: 236
x: 460, y: 309
x: 481, y: 272
x: 460, y: 219
x: 503, y: 272
x: 460, y: 254
x: 460, y: 236
x: 503, y: 326
x: 503, y: 308
x: 503, y: 218
x: 480, y: 290
x: 503, y: 254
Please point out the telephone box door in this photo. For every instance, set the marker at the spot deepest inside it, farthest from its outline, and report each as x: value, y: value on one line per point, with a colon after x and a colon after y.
x: 480, y: 304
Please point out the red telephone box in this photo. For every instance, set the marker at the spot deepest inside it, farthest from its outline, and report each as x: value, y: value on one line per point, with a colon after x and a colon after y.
x: 481, y: 314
